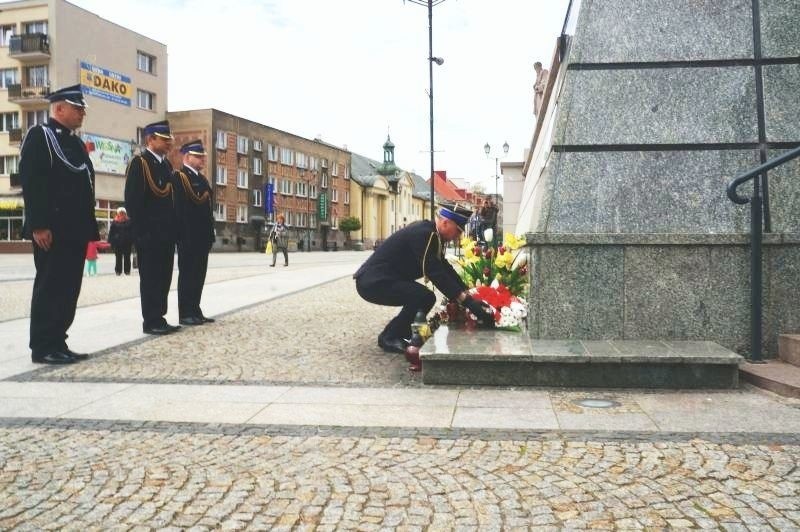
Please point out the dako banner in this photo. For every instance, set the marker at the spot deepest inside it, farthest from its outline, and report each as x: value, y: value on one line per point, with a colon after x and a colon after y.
x: 105, y: 84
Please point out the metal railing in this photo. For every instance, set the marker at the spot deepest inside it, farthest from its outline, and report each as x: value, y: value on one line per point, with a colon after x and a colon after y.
x: 756, y: 232
x: 29, y: 43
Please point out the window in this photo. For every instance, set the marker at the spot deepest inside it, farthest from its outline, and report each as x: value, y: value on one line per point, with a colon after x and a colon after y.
x: 241, y: 214
x: 335, y: 223
x: 8, y: 76
x: 272, y: 152
x: 347, y: 197
x: 8, y: 164
x: 312, y: 219
x: 258, y: 145
x: 313, y: 191
x: 241, y: 178
x: 219, y: 212
x: 335, y: 169
x: 145, y: 100
x: 222, y: 175
x: 334, y: 196
x: 302, y: 189
x: 324, y: 180
x: 286, y: 187
x: 256, y: 197
x: 37, y: 76
x: 39, y: 26
x: 287, y: 156
x: 324, y: 163
x: 256, y: 165
x: 346, y: 172
x: 145, y: 62
x: 313, y: 163
x: 300, y: 160
x: 241, y: 145
x: 301, y: 219
x: 9, y: 121
x: 6, y: 32
x: 33, y: 118
x: 273, y: 180
x: 222, y: 140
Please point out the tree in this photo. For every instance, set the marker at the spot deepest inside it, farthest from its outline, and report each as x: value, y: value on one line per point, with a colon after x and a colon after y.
x: 351, y: 223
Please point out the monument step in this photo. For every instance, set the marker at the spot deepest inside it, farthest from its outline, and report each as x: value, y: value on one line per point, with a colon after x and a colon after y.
x: 773, y: 375
x: 789, y: 348
x: 502, y: 358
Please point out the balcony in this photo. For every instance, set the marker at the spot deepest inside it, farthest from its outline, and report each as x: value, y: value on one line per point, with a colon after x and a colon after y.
x: 25, y: 95
x: 15, y: 136
x: 14, y: 180
x: 29, y: 47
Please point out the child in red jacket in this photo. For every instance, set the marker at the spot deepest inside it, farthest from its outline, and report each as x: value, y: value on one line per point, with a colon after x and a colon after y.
x: 91, y: 258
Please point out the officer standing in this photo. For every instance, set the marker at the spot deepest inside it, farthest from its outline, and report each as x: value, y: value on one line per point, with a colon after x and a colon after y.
x: 149, y: 198
x: 195, y: 232
x: 388, y: 277
x: 58, y: 188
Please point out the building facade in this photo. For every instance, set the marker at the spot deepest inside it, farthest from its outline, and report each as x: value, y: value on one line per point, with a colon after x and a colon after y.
x: 309, y: 179
x: 49, y: 44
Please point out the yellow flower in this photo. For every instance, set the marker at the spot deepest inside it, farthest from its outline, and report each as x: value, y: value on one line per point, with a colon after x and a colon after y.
x: 504, y: 260
x: 513, y: 242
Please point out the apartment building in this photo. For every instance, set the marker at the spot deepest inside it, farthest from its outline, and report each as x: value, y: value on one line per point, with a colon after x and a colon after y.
x: 247, y: 162
x: 49, y: 44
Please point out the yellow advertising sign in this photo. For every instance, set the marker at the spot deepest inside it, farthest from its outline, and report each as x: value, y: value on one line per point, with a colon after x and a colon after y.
x: 105, y: 84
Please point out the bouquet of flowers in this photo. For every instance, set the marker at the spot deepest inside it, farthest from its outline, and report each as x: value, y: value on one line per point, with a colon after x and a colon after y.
x: 495, y: 277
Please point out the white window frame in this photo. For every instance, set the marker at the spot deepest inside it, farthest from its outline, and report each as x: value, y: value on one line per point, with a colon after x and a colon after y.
x: 258, y: 145
x: 9, y: 164
x: 257, y: 166
x: 301, y: 160
x: 347, y: 197
x: 241, y: 214
x: 221, y: 175
x: 242, y: 144
x: 334, y: 196
x: 272, y: 153
x: 145, y: 62
x: 145, y: 100
x: 222, y: 140
x: 257, y: 197
x: 335, y: 222
x: 323, y: 181
x: 287, y: 156
x: 313, y: 191
x: 34, y: 26
x: 346, y: 172
x: 335, y: 169
x: 220, y: 212
x: 324, y: 162
x: 8, y: 76
x: 241, y: 177
x: 6, y: 32
x: 9, y: 120
x: 301, y: 189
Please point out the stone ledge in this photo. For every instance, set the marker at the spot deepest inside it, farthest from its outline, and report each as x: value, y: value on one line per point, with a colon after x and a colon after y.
x: 502, y: 358
x: 657, y: 239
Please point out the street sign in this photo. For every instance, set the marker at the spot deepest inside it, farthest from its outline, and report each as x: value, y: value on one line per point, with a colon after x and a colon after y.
x: 322, y: 206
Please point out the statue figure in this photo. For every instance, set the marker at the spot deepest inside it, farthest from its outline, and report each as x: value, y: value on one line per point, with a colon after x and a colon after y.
x: 539, y: 86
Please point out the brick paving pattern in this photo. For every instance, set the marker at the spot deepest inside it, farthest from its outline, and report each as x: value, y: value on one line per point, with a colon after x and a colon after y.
x: 75, y: 479
x: 323, y: 335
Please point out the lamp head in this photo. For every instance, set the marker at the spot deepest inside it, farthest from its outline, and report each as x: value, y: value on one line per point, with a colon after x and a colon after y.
x: 438, y: 60
x: 487, y: 148
x: 505, y: 147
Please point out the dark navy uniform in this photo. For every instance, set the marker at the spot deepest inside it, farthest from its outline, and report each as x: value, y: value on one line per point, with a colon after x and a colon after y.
x: 388, y: 277
x: 58, y: 187
x: 193, y: 200
x: 149, y: 200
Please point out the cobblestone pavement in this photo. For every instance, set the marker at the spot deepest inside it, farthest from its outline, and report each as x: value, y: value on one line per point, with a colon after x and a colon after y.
x: 80, y: 478
x: 323, y: 335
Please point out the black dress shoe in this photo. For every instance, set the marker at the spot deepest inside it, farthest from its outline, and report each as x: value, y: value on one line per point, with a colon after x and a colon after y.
x: 393, y: 345
x: 207, y: 320
x: 192, y: 320
x: 158, y: 330
x: 54, y: 357
x: 73, y: 354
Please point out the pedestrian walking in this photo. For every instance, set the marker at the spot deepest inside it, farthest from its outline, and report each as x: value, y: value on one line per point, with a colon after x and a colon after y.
x: 193, y: 201
x: 58, y: 187
x: 149, y: 199
x: 280, y: 241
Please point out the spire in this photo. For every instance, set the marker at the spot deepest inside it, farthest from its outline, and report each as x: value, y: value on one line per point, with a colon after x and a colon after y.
x: 388, y: 167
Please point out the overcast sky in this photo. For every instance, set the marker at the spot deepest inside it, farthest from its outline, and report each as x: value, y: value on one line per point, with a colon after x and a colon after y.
x: 349, y: 70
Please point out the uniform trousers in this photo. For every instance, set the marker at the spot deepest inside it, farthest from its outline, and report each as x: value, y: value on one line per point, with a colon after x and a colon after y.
x: 155, y: 260
x: 56, y: 287
x: 410, y: 295
x: 192, y: 267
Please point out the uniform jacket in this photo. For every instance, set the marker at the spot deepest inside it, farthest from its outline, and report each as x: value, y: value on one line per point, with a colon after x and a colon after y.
x: 57, y: 197
x: 193, y: 201
x: 150, y: 200
x: 400, y: 257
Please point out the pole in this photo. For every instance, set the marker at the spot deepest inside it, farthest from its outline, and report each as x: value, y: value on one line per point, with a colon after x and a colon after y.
x: 308, y: 215
x: 430, y: 93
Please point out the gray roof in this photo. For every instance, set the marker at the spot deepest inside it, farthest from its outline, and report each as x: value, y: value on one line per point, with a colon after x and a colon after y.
x: 364, y: 171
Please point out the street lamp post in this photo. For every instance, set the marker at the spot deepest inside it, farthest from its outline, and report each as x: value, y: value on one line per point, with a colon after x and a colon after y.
x: 487, y: 149
x: 431, y: 61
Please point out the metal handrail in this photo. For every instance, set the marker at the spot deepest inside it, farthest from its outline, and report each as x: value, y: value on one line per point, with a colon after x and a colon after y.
x: 756, y: 234
x: 747, y: 176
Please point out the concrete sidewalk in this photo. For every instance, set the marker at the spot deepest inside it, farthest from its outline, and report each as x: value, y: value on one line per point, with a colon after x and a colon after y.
x: 106, y: 327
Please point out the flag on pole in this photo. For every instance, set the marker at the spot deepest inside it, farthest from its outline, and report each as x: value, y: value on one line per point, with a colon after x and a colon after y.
x: 269, y: 198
